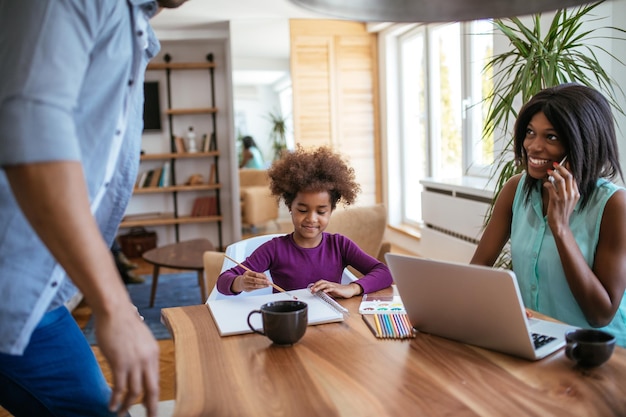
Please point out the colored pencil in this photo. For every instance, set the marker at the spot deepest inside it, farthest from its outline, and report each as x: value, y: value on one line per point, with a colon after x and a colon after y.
x: 378, y: 326
x: 401, y: 332
x: 388, y: 325
x: 408, y: 324
x: 396, y: 329
x: 401, y: 326
x: 405, y: 329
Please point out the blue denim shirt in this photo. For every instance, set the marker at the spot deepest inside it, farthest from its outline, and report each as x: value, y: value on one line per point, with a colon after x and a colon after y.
x: 71, y: 88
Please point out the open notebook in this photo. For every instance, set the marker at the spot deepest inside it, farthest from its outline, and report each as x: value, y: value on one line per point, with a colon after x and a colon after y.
x: 231, y: 314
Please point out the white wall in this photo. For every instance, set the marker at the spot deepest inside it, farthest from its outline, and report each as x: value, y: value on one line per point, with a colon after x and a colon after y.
x: 260, y: 49
x: 616, y: 9
x: 252, y: 105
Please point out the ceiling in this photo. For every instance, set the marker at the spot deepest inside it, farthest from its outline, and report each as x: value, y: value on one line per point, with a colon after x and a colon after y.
x: 259, y: 32
x: 257, y: 26
x: 198, y: 14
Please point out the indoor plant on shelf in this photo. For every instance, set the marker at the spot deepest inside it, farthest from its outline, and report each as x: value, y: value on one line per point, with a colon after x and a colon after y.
x: 565, y: 53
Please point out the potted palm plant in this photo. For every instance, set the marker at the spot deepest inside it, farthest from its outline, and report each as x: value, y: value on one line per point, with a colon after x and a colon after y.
x: 566, y: 52
x: 278, y: 133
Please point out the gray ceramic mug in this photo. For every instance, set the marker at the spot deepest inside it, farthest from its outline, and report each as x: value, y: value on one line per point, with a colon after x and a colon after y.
x: 284, y: 322
x: 589, y: 347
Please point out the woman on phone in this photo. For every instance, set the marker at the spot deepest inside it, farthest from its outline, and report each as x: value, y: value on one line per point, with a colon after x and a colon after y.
x: 565, y: 219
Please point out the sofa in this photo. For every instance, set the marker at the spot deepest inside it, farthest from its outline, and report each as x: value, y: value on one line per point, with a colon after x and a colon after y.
x: 258, y: 206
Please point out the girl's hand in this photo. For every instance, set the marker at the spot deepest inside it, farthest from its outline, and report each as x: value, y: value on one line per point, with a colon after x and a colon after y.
x: 337, y: 290
x: 563, y: 195
x: 250, y: 281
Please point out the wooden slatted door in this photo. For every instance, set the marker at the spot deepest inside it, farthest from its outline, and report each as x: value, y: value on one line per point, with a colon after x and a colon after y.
x: 334, y: 76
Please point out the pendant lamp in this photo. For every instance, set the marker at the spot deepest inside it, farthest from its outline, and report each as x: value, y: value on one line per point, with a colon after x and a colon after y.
x: 428, y: 11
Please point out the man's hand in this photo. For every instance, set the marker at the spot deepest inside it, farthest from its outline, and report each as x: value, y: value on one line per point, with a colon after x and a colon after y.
x: 133, y: 355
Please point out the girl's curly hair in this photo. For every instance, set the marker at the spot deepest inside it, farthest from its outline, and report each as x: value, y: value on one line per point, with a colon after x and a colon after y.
x: 314, y: 170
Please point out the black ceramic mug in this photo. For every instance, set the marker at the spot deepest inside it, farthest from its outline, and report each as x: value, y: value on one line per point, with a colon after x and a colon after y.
x: 284, y: 322
x: 589, y: 347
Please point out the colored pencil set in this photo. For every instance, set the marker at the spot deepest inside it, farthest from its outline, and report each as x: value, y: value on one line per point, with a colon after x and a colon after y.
x: 389, y: 326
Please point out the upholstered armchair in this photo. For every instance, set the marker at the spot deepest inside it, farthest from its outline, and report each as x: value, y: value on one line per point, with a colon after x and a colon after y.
x: 365, y: 225
x: 258, y: 206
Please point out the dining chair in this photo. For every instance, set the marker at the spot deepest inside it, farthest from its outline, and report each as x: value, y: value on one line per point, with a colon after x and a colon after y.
x: 239, y: 251
x: 213, y: 261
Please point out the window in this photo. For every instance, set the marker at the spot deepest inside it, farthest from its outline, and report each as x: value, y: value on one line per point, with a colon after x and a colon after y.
x: 479, y: 45
x: 434, y: 89
x: 415, y: 161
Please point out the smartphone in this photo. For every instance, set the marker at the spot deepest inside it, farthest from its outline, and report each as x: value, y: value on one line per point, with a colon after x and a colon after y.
x: 550, y: 177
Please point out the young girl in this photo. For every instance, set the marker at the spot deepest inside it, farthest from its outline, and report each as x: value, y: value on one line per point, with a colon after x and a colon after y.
x: 311, y: 183
x: 565, y: 219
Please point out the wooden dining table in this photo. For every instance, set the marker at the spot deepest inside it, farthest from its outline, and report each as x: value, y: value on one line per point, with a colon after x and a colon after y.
x: 341, y: 369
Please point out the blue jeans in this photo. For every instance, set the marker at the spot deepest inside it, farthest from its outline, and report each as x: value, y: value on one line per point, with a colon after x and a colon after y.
x: 58, y: 374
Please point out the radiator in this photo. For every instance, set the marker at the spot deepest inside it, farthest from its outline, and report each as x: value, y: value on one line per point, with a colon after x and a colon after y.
x: 453, y: 216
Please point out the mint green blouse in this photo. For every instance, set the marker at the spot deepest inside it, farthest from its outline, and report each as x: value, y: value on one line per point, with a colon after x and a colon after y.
x: 257, y: 161
x: 536, y: 261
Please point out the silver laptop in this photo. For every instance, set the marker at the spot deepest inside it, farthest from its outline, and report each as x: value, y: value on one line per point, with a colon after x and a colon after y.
x: 472, y: 304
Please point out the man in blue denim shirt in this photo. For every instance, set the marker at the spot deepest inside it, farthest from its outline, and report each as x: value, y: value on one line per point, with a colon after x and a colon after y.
x: 71, y: 97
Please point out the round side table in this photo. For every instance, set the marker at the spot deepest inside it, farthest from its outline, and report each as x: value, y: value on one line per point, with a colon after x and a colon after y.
x: 181, y: 255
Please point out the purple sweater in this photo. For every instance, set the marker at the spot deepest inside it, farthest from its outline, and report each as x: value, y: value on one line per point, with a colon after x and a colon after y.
x: 293, y: 267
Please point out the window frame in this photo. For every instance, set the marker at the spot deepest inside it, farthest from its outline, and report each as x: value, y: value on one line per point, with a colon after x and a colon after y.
x: 390, y: 42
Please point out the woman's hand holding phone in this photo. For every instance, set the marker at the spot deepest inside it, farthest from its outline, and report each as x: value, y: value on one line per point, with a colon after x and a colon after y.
x: 550, y: 177
x: 563, y: 197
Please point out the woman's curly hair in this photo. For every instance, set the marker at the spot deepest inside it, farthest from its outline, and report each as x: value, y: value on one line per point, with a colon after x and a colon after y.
x: 314, y: 170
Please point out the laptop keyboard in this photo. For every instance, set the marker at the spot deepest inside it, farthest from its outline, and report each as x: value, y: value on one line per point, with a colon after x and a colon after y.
x: 541, y: 339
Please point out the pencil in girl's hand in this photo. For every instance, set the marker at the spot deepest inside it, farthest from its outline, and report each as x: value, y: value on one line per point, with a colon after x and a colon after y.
x: 249, y: 270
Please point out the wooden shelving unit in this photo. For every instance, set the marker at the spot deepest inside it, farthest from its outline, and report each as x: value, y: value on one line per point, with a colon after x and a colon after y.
x: 178, y: 155
x: 168, y: 219
x: 177, y: 188
x: 205, y: 110
x: 176, y: 218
